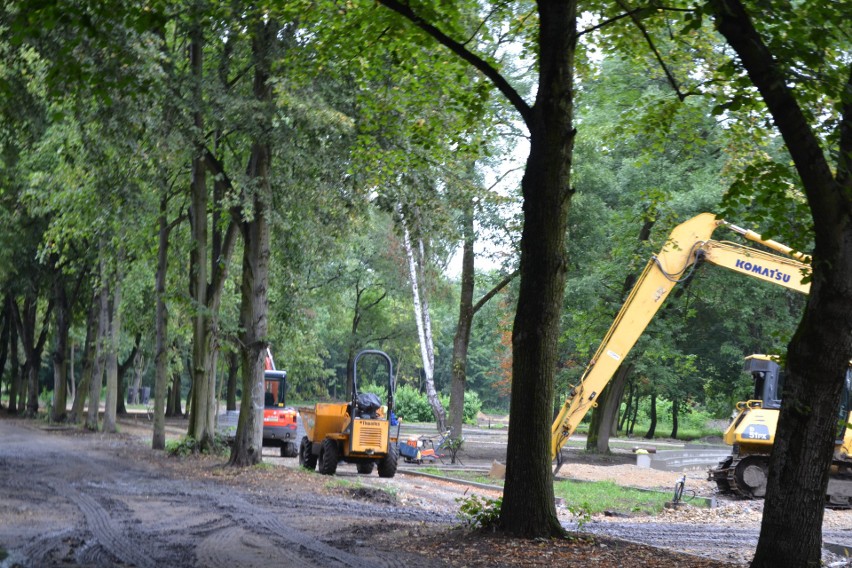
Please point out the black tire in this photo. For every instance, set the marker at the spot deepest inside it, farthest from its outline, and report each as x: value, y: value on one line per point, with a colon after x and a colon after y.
x: 328, y: 457
x: 288, y: 450
x: 365, y: 468
x: 387, y: 465
x: 307, y: 459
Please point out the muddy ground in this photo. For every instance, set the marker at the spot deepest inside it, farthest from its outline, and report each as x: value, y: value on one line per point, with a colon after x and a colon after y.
x: 70, y: 498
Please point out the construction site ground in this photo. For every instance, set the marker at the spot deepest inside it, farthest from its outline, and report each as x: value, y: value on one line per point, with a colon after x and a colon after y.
x: 76, y: 498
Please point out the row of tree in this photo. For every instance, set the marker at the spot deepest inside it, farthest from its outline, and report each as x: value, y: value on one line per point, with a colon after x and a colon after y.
x: 295, y: 136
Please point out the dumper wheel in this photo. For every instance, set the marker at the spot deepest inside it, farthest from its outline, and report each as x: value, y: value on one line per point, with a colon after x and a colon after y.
x: 328, y: 457
x: 365, y: 468
x: 387, y: 465
x: 288, y: 450
x: 307, y: 459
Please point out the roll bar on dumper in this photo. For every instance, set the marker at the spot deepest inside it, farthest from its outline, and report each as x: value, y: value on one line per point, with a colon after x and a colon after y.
x: 687, y: 246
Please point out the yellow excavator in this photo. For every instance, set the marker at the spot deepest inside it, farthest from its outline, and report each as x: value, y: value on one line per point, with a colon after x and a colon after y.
x: 688, y: 245
x: 752, y: 433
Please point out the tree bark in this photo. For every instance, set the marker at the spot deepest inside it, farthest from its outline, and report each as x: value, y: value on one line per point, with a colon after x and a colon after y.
x: 111, y: 358
x: 200, y: 428
x: 60, y: 352
x: 461, y: 340
x: 675, y: 415
x: 100, y: 355
x: 14, y: 364
x: 416, y: 270
x: 818, y: 354
x: 89, y: 355
x: 528, y: 506
x: 606, y: 413
x: 123, y: 367
x: 652, y: 429
x: 4, y: 342
x: 248, y: 443
x: 233, y: 369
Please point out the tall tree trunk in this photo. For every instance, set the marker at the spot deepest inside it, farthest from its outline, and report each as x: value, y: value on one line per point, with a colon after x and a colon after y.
x: 60, y: 352
x: 461, y: 341
x: 111, y: 358
x: 200, y: 428
x: 33, y: 347
x: 653, y: 427
x: 206, y: 279
x: 606, y: 413
x: 528, y: 506
x: 14, y: 363
x: 96, y: 383
x: 89, y: 356
x: 233, y: 368
x: 254, y: 308
x: 675, y: 413
x: 416, y: 270
x: 123, y: 367
x: 161, y: 360
x: 819, y: 353
x: 4, y: 343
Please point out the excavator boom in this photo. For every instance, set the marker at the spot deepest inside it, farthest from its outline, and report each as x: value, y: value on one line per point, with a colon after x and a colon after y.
x: 688, y: 244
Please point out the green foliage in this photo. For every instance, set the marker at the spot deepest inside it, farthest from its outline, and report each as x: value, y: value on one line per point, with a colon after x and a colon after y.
x: 581, y: 513
x: 479, y: 512
x: 600, y: 496
x: 412, y: 405
x: 188, y: 445
x: 184, y: 447
x: 472, y: 407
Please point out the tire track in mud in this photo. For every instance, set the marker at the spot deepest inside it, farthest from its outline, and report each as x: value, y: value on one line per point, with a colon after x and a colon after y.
x: 36, y: 553
x: 325, y: 555
x: 234, y: 546
x: 103, y: 528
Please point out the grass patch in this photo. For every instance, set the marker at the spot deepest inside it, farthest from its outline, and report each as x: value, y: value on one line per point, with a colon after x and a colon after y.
x: 599, y: 496
x: 591, y: 497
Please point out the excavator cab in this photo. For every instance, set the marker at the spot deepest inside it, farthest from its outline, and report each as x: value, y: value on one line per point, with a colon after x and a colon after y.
x: 768, y: 380
x: 752, y: 434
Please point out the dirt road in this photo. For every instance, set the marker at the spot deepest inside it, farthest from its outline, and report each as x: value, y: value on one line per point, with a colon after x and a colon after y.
x: 86, y: 499
x: 67, y: 501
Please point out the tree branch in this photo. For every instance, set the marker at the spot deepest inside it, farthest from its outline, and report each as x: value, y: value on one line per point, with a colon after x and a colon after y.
x: 493, y: 292
x: 638, y: 22
x: 844, y: 159
x: 735, y: 24
x: 612, y: 20
x: 459, y: 49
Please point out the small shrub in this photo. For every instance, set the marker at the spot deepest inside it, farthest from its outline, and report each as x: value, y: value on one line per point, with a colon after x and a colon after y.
x: 479, y: 512
x: 183, y: 447
x: 378, y: 390
x: 412, y: 406
x: 581, y: 513
x: 189, y: 445
x: 472, y: 407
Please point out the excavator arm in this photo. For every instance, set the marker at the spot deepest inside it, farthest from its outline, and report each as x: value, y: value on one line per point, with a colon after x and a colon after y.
x: 688, y: 244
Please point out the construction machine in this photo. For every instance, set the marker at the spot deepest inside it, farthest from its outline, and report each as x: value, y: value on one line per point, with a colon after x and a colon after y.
x: 279, y: 420
x: 752, y: 432
x: 688, y: 245
x: 357, y: 431
x: 751, y: 435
